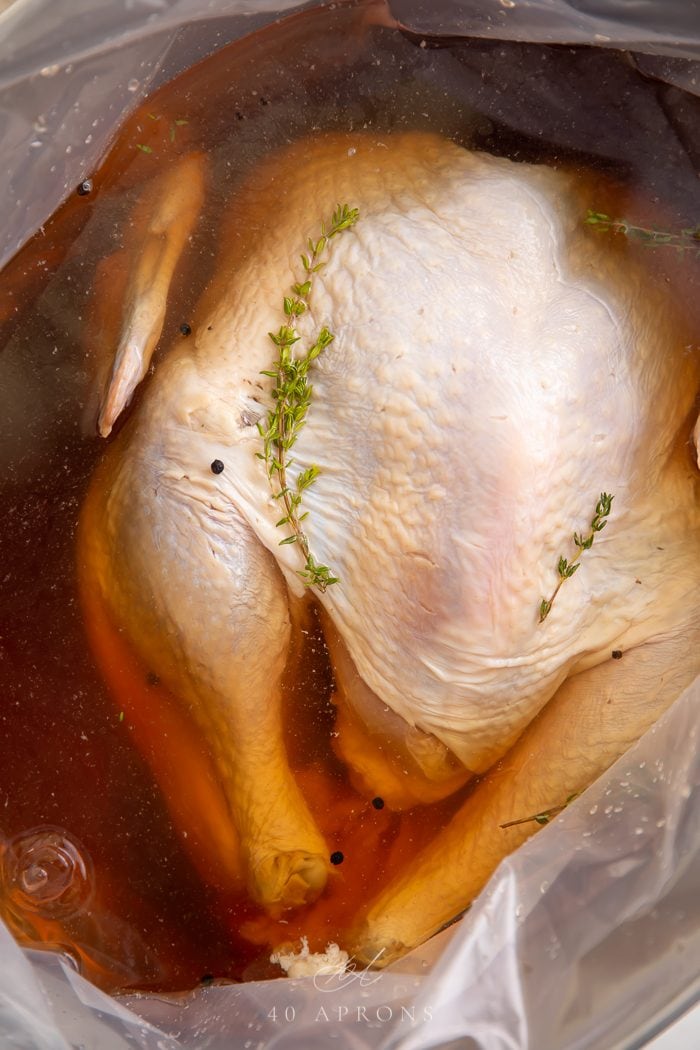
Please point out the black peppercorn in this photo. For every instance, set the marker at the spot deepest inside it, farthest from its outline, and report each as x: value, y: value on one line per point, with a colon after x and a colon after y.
x: 84, y: 188
x: 185, y: 328
x: 617, y: 654
x: 378, y: 802
x: 337, y: 857
x: 217, y: 467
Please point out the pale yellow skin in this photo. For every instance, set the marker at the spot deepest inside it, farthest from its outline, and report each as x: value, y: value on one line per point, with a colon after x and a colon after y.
x: 495, y: 368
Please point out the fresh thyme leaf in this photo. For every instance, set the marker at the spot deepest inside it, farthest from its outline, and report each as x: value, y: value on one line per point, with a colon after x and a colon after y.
x: 565, y: 568
x: 292, y: 396
x: 544, y: 817
x: 685, y: 241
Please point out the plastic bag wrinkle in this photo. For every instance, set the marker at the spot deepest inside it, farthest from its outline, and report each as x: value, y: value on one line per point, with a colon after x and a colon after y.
x: 668, y: 28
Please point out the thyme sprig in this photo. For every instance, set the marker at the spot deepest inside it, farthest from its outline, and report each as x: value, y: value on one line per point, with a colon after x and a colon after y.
x: 687, y: 240
x: 292, y: 397
x: 565, y: 568
x: 544, y: 817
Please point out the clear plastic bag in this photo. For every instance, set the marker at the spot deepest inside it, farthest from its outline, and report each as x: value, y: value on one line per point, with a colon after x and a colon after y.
x: 590, y: 934
x: 670, y: 28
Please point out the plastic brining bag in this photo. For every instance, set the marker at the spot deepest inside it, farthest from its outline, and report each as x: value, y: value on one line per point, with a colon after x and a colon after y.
x: 590, y: 934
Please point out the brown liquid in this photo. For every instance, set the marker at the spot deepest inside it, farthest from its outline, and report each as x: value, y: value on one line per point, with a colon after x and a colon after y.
x: 69, y: 760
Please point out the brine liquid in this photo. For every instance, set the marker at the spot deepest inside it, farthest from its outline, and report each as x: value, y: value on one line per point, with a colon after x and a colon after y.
x: 92, y: 862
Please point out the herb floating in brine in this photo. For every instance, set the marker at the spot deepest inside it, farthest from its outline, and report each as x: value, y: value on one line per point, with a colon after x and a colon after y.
x: 292, y: 396
x: 566, y: 569
x: 687, y: 240
x: 544, y: 817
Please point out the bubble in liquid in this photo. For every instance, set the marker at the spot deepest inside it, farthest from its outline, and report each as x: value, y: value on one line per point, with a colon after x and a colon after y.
x: 46, y: 872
